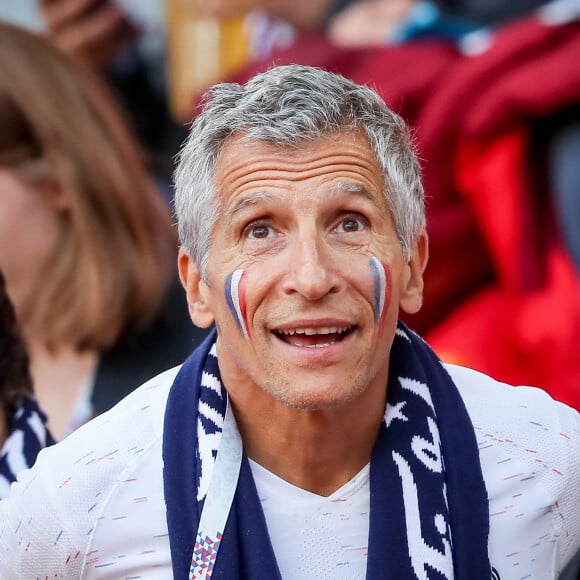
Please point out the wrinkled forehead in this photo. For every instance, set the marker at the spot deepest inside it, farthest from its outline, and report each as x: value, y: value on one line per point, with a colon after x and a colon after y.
x: 244, y: 156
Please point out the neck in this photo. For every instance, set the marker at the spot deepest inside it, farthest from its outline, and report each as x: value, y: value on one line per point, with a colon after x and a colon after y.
x: 316, y: 450
x: 60, y: 379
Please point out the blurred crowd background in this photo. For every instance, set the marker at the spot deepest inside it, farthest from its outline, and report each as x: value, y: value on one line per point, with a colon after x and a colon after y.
x: 491, y: 90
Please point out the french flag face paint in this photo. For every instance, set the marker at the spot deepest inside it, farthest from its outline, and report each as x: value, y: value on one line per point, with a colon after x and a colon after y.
x: 236, y: 299
x: 380, y: 274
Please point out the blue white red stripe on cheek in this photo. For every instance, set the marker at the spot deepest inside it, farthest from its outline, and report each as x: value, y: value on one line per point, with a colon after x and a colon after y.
x: 381, y: 286
x: 236, y: 299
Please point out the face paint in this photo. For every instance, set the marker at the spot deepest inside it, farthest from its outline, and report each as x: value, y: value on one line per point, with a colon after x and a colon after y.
x: 236, y: 299
x: 380, y: 274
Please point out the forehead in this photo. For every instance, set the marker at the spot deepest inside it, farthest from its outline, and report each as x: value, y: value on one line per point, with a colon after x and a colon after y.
x: 342, y: 157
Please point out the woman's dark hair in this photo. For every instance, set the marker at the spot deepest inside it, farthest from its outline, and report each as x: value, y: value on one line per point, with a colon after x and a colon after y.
x: 15, y: 379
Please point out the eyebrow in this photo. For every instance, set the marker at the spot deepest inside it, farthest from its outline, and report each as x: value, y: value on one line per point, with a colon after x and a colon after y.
x: 360, y: 191
x: 351, y: 187
x: 249, y: 201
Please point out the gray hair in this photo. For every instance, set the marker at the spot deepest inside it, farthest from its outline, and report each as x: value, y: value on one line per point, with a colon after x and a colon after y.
x: 286, y: 106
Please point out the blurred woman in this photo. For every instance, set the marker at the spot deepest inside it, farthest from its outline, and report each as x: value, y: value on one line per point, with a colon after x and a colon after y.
x: 23, y: 431
x: 86, y: 242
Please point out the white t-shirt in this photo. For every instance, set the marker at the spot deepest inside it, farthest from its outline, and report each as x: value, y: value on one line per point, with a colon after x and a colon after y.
x: 315, y: 536
x: 93, y: 505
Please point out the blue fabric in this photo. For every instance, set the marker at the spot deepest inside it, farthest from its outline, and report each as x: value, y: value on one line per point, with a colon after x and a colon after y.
x: 28, y: 435
x: 425, y: 20
x: 246, y: 550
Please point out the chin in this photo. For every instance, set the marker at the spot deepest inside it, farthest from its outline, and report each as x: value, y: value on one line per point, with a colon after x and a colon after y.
x: 317, y: 398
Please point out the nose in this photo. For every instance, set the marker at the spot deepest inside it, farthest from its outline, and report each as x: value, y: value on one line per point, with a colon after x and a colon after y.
x: 311, y: 271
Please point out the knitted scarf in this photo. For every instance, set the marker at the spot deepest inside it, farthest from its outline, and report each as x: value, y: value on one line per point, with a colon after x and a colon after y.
x: 28, y: 435
x: 429, y: 511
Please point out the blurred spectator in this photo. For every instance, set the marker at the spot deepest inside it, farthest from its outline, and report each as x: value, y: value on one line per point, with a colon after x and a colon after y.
x: 380, y: 22
x: 23, y: 430
x: 375, y: 21
x: 122, y: 41
x: 111, y: 38
x: 96, y: 31
x: 86, y: 242
x: 367, y: 23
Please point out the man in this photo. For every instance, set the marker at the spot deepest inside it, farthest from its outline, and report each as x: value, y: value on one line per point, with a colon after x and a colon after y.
x: 312, y: 435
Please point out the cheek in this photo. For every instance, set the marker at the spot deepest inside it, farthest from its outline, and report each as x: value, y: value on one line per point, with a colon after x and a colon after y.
x: 381, y: 284
x: 235, y: 289
x: 26, y: 249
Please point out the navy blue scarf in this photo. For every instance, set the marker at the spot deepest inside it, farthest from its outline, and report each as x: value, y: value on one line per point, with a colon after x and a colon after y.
x: 425, y: 465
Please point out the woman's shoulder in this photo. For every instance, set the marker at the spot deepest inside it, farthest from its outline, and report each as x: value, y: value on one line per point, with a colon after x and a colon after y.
x: 62, y: 502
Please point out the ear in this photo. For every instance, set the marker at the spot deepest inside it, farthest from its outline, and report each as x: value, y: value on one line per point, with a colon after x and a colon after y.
x: 196, y: 290
x: 411, y: 297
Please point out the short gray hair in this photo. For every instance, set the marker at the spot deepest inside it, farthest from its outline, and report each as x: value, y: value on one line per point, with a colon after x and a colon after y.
x: 286, y: 106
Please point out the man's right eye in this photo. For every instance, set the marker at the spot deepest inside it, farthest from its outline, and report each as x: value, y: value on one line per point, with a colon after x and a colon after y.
x: 259, y: 232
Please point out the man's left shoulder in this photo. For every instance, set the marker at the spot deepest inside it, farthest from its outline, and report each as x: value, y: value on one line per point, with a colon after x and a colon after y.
x: 518, y: 413
x: 529, y: 449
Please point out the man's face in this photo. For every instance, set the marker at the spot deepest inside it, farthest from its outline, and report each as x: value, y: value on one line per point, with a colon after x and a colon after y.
x: 306, y: 274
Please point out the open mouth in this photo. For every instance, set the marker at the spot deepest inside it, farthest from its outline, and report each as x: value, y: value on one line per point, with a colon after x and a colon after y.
x: 314, y: 337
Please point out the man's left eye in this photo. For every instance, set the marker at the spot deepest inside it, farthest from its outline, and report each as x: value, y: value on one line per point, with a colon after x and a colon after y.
x: 351, y: 224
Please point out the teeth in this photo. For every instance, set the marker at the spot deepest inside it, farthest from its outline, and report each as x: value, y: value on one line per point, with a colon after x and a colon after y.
x: 320, y: 345
x: 314, y: 331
